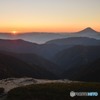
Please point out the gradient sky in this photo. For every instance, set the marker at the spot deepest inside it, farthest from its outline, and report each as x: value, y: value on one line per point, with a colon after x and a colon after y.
x: 49, y: 15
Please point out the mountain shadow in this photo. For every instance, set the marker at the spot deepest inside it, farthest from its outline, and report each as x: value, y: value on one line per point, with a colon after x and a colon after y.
x: 73, y: 58
x: 13, y: 67
x: 89, y: 72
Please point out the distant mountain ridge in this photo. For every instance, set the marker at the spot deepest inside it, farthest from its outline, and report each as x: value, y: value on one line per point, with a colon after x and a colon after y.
x: 42, y: 37
x: 75, y: 41
x: 47, y: 50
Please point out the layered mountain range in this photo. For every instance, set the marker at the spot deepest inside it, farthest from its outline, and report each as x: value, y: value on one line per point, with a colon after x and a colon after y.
x: 42, y: 37
x: 76, y: 56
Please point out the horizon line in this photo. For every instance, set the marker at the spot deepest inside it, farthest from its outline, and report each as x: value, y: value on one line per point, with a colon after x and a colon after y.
x: 18, y: 32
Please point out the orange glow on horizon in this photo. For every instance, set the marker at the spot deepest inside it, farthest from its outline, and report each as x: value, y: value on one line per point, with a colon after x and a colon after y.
x: 47, y: 29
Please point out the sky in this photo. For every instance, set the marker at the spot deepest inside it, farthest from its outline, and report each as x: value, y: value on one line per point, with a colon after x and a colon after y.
x: 49, y: 15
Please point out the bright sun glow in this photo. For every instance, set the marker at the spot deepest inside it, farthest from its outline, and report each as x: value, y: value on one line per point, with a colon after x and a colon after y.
x: 14, y: 32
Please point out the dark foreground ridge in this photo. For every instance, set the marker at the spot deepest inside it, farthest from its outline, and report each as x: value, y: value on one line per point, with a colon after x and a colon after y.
x: 53, y: 91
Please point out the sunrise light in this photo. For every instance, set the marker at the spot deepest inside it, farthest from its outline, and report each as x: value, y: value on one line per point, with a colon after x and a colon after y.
x: 14, y: 32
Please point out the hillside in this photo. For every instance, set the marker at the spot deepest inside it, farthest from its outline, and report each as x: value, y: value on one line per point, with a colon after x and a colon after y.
x: 52, y: 60
x: 13, y: 67
x: 89, y: 72
x: 75, y: 41
x: 76, y: 56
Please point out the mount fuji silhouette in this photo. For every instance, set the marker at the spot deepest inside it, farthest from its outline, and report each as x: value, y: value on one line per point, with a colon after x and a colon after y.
x: 88, y: 30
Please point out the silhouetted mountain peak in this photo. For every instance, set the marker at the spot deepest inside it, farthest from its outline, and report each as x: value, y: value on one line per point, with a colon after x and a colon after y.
x: 88, y: 29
